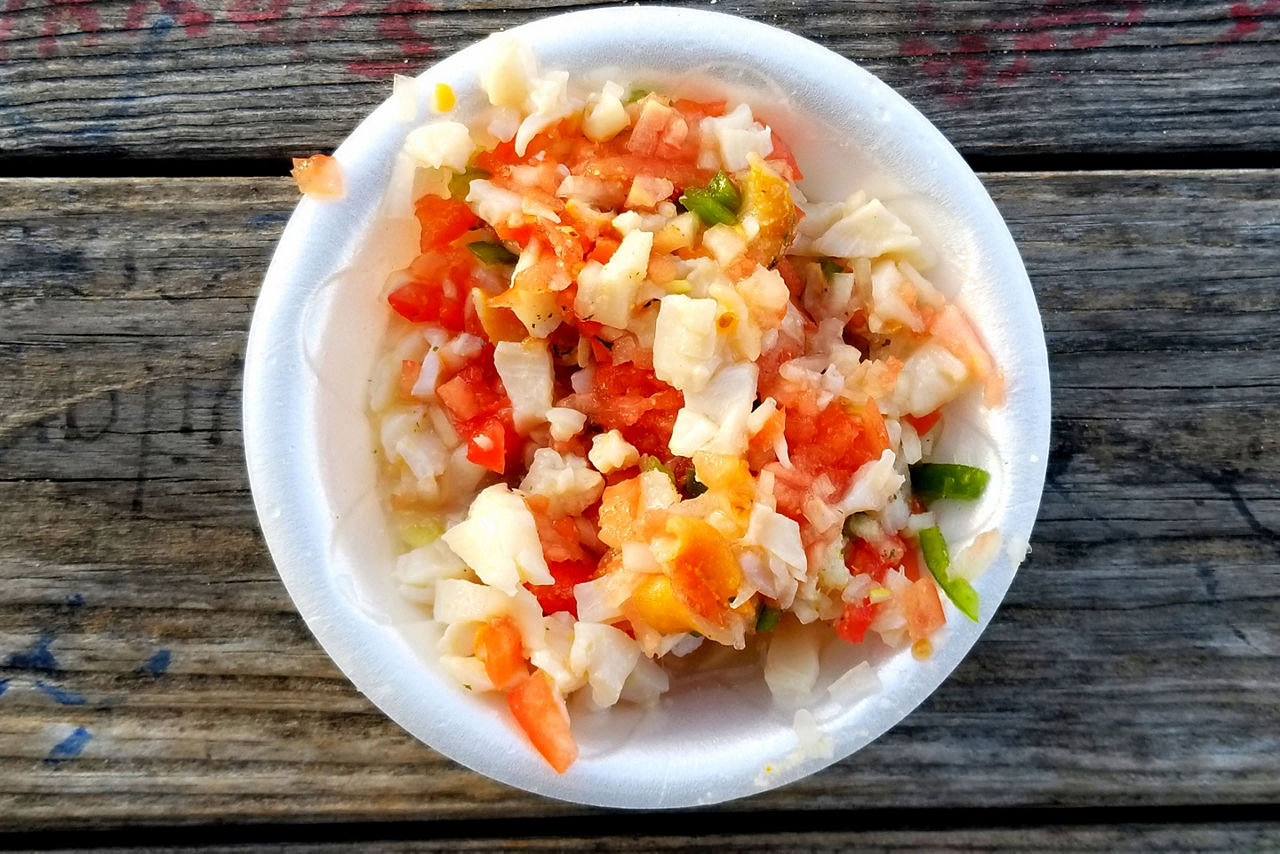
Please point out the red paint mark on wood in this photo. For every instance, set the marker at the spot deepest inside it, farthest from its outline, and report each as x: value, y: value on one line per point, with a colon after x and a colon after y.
x: 76, y: 16
x: 11, y: 7
x: 402, y: 25
x: 962, y: 66
x: 1007, y: 76
x: 260, y: 17
x: 397, y: 25
x: 325, y: 16
x: 1246, y: 18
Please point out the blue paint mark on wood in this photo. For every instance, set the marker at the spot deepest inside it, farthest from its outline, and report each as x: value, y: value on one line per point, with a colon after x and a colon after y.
x: 75, y: 600
x: 4, y: 686
x: 70, y: 747
x: 268, y: 219
x: 37, y: 657
x: 60, y: 695
x: 158, y: 663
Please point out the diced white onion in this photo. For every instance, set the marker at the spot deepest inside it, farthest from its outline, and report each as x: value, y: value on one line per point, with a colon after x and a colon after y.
x: 857, y: 683
x: 791, y: 664
x: 441, y: 144
x: 567, y: 481
x: 499, y: 540
x: 607, y: 655
x: 527, y: 375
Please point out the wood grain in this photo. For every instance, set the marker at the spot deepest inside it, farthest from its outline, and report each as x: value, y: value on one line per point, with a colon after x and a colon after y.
x: 1105, y: 839
x: 205, y: 80
x: 154, y: 671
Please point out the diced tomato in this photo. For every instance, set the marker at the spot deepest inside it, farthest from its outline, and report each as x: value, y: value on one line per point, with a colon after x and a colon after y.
x: 479, y: 409
x: 790, y: 488
x: 852, y: 624
x: 503, y: 154
x: 318, y: 175
x: 409, y: 371
x: 924, y: 609
x: 623, y: 167
x: 696, y: 111
x: 600, y: 350
x: 876, y: 559
x: 561, y: 538
x: 633, y: 401
x: 487, y: 446
x: 540, y: 710
x: 874, y: 430
x: 428, y: 302
x: 474, y: 391
x: 459, y: 399
x: 443, y: 221
x: 832, y: 442
x: 760, y: 448
x: 791, y: 276
x: 647, y: 131
x: 924, y: 423
x: 782, y: 152
x: 604, y: 249
x: 498, y: 645
x: 619, y: 507
x: 559, y: 595
x: 566, y: 245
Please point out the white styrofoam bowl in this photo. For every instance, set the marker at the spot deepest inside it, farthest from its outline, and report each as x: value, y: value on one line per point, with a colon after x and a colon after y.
x: 315, y: 334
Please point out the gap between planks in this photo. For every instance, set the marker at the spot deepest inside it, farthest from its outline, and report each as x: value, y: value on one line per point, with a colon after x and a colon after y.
x: 128, y: 168
x: 763, y: 830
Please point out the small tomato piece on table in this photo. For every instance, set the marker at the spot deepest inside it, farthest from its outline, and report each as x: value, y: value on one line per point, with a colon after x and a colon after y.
x: 498, y: 645
x: 318, y: 176
x: 541, y: 713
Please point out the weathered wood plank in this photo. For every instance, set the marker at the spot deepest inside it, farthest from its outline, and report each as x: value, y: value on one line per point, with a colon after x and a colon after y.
x: 1112, y: 839
x: 228, y: 78
x: 156, y: 672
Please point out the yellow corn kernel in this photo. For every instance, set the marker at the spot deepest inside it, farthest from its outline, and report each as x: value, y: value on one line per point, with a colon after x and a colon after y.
x: 879, y: 594
x: 443, y: 99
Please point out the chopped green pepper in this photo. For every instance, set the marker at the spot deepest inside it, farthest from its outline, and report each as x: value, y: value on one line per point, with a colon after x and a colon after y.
x: 936, y: 557
x: 830, y: 267
x: 418, y: 534
x: 768, y: 619
x: 460, y: 184
x: 492, y: 253
x: 651, y: 463
x: 931, y: 481
x: 707, y: 208
x: 722, y: 189
x: 692, y: 486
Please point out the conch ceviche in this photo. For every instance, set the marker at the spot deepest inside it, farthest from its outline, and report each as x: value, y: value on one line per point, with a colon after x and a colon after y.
x: 640, y: 395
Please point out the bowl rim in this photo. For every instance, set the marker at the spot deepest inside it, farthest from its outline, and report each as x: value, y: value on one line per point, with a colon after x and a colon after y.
x: 287, y: 488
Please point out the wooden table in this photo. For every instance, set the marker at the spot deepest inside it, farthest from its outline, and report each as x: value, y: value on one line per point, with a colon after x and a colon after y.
x: 157, y: 686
